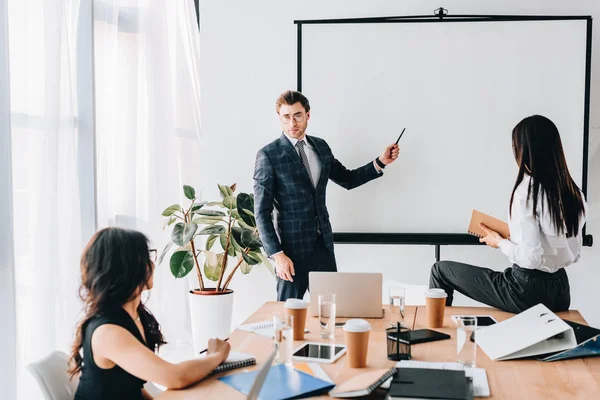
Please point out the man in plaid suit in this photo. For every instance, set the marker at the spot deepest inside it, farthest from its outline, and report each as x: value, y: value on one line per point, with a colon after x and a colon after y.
x: 290, y: 177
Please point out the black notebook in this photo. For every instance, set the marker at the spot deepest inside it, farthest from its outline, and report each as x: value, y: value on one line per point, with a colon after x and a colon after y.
x: 234, y: 361
x: 416, y: 383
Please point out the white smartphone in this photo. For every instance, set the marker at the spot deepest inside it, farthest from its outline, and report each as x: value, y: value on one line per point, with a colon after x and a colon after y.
x: 319, y: 352
x: 482, y: 320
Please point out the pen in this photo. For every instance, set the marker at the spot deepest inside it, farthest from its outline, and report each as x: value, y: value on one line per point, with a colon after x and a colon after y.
x: 205, y: 350
x: 402, y: 133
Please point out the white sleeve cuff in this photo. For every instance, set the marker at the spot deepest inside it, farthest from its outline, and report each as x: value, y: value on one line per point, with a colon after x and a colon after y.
x: 507, y: 247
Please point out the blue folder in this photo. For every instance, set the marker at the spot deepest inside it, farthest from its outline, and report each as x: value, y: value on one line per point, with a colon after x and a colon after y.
x: 281, y: 383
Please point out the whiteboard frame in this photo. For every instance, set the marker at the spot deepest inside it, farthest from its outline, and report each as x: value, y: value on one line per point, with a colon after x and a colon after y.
x: 438, y: 239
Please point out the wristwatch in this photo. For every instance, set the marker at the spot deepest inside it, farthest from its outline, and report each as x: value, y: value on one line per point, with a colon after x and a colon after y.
x: 378, y: 161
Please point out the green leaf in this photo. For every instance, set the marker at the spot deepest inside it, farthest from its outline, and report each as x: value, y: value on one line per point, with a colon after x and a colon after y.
x: 211, y: 213
x: 225, y: 191
x: 244, y: 225
x: 245, y: 268
x: 249, y: 239
x: 212, y: 230
x: 267, y: 263
x: 245, y: 204
x: 229, y: 202
x: 212, y: 265
x: 197, y: 206
x: 215, y: 203
x: 207, y: 220
x: 171, y: 210
x: 172, y: 220
x: 211, y: 241
x: 251, y: 259
x: 164, y: 252
x: 236, y: 245
x: 181, y: 263
x: 189, y: 192
x: 231, y: 249
x: 183, y: 233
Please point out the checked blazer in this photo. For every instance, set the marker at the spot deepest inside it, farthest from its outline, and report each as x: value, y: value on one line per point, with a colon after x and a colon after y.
x: 287, y: 205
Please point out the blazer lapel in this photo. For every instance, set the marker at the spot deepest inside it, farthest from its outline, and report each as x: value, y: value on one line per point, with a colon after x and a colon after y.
x: 287, y: 147
x: 320, y: 152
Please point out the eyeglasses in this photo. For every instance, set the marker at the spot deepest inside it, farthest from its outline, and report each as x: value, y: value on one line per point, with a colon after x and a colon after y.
x: 152, y: 253
x: 298, y: 117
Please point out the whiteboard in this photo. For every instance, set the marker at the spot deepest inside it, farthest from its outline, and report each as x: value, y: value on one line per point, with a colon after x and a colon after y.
x: 459, y: 88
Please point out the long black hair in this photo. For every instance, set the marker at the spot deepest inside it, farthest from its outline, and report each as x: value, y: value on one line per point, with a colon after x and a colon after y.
x: 539, y: 153
x: 115, y: 266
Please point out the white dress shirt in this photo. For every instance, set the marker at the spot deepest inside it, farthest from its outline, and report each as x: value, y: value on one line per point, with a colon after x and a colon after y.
x: 311, y: 155
x: 534, y: 242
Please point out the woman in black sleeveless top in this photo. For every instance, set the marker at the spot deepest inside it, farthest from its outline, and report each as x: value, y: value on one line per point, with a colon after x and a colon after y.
x: 118, y: 334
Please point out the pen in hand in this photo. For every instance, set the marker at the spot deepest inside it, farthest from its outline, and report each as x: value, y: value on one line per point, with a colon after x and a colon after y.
x: 205, y: 350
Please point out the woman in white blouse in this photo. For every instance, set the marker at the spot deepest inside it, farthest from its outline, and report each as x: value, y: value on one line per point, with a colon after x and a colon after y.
x: 546, y: 216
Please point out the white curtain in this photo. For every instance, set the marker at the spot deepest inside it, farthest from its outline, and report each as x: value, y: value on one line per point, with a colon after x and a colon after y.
x: 47, y: 226
x: 147, y: 127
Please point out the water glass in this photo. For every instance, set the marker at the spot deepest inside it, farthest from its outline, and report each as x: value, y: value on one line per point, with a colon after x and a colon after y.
x: 327, y: 315
x: 466, y: 351
x: 397, y: 300
x: 284, y: 338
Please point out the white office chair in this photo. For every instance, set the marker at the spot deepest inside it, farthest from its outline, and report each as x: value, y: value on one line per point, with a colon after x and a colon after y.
x: 55, y: 383
x: 52, y: 377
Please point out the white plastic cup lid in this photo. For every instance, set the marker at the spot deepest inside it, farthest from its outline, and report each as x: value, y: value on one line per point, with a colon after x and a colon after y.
x: 295, y: 304
x: 436, y: 294
x: 357, y: 325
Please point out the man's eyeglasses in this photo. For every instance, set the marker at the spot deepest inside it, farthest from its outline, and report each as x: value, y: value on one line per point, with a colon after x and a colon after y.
x: 298, y: 117
x: 152, y: 253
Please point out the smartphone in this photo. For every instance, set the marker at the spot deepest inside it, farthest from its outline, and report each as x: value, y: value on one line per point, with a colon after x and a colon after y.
x: 419, y: 336
x: 482, y: 320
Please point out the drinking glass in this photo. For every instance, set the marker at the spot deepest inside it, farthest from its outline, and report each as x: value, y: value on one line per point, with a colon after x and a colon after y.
x: 397, y: 300
x: 284, y: 338
x: 327, y: 315
x: 466, y: 351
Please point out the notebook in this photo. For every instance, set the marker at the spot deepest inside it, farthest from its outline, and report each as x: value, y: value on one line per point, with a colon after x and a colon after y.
x: 262, y: 328
x: 313, y: 369
x: 363, y: 384
x: 281, y: 383
x: 234, y: 361
x: 418, y: 383
x: 493, y: 223
x: 480, y: 388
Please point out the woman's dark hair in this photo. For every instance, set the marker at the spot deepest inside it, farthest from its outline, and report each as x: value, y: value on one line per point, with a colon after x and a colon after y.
x: 539, y: 153
x: 115, y: 266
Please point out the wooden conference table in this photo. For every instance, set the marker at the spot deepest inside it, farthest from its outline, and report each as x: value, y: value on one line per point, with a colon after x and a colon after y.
x: 520, y: 379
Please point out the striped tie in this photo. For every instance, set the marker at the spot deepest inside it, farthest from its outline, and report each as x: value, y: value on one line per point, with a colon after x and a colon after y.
x: 302, y: 153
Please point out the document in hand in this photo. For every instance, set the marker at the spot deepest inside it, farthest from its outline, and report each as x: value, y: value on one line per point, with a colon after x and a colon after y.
x: 533, y: 332
x: 493, y: 223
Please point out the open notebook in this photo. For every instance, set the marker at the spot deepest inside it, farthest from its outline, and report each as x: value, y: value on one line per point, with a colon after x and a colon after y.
x: 493, y: 223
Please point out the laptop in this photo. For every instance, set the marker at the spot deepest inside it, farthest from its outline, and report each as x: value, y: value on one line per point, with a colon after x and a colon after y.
x: 261, y: 377
x: 357, y: 295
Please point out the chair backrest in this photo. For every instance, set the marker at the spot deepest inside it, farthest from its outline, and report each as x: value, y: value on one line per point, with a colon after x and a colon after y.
x: 52, y: 377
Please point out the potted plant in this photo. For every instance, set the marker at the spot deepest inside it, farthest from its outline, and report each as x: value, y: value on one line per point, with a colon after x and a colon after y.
x: 231, y: 244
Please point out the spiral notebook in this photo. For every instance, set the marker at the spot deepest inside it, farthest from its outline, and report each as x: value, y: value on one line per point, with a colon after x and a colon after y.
x: 363, y: 384
x: 234, y: 361
x: 493, y: 223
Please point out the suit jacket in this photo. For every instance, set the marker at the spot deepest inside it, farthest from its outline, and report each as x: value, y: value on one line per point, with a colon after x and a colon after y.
x: 286, y: 204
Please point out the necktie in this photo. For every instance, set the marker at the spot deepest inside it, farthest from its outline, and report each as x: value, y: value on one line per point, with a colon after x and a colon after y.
x: 302, y: 153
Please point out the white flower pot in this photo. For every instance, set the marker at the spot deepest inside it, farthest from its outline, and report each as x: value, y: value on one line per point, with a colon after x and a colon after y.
x: 210, y: 313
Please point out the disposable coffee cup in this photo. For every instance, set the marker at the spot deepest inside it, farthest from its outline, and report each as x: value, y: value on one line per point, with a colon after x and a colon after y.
x: 357, y: 342
x: 435, y: 305
x: 297, y: 308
